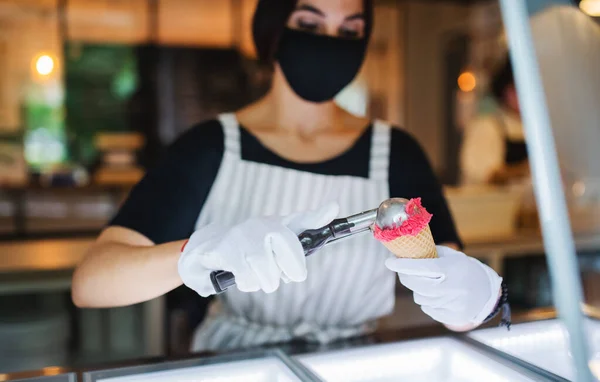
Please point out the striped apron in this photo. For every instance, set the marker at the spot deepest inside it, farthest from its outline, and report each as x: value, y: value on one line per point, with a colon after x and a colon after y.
x: 348, y: 286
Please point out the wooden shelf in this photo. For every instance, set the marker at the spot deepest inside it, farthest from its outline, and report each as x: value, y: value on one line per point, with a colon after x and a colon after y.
x: 205, y: 23
x: 108, y: 21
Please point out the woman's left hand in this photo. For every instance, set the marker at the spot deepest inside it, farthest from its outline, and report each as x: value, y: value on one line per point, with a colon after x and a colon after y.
x: 454, y: 289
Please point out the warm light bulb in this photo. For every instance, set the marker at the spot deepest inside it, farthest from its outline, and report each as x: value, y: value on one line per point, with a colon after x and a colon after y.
x: 467, y: 82
x: 44, y: 65
x: 590, y: 7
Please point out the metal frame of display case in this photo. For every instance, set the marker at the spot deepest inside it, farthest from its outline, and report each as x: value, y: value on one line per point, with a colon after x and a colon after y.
x: 591, y: 313
x: 498, y: 354
x: 555, y: 223
x: 298, y: 370
x: 522, y: 367
x: 70, y: 377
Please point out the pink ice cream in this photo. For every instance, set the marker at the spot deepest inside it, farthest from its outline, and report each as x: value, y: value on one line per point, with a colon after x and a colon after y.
x: 418, y: 219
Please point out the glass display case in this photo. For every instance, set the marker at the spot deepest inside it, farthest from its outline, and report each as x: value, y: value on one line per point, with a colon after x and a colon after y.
x: 261, y: 366
x: 436, y: 359
x: 542, y: 344
x: 443, y: 359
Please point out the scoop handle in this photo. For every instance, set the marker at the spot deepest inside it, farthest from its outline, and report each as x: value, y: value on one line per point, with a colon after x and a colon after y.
x: 311, y: 240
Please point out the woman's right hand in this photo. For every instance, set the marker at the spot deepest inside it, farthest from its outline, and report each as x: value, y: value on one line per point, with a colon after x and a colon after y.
x: 260, y: 252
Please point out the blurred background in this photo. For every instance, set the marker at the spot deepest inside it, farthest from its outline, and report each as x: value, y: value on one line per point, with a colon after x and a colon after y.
x: 92, y: 91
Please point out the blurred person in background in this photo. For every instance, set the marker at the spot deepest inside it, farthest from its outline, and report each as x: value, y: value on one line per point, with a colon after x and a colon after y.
x: 233, y: 193
x: 494, y: 149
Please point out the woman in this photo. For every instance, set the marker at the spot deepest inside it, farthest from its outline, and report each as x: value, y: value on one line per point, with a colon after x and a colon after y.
x: 244, y: 185
x: 494, y: 150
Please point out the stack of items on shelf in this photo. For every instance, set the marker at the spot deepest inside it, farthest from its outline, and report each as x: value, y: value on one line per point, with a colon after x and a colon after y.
x: 119, y: 158
x: 13, y: 167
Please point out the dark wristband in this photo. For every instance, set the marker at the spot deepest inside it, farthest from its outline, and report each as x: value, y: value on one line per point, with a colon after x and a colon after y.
x: 503, y: 306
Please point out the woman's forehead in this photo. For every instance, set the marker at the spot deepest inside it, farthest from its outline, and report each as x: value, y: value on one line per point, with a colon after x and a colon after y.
x: 333, y: 7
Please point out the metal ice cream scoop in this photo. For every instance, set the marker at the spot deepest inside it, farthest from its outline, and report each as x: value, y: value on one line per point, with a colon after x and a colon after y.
x: 391, y: 212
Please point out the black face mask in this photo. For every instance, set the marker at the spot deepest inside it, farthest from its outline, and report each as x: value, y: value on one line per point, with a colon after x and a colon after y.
x: 318, y: 67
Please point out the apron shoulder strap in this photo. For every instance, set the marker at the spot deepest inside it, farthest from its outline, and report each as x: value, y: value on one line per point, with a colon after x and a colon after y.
x: 380, y: 150
x: 231, y: 133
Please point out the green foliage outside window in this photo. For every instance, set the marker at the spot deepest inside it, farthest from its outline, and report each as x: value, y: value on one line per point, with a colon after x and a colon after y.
x: 100, y: 80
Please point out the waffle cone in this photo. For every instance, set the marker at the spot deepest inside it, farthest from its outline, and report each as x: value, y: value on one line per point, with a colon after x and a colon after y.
x: 421, y: 246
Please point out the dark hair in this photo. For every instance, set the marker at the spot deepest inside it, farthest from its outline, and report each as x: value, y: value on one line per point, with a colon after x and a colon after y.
x: 501, y: 80
x: 270, y: 19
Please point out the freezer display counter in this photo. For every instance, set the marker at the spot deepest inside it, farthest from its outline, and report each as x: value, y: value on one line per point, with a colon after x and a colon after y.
x: 262, y: 366
x: 441, y: 359
x: 542, y: 344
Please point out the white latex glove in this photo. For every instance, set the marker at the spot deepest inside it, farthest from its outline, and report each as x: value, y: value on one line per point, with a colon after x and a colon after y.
x: 260, y: 252
x: 453, y: 289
